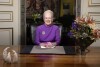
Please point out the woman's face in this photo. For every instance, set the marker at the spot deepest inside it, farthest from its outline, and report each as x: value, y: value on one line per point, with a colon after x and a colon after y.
x: 48, y: 18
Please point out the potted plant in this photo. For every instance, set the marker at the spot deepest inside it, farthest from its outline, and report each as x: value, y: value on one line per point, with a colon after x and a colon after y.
x: 36, y: 16
x: 84, y: 31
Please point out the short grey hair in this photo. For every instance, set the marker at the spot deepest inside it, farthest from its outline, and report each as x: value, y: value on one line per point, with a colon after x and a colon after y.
x: 48, y: 11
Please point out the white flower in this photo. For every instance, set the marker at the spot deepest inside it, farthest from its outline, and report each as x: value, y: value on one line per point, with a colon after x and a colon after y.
x: 92, y: 25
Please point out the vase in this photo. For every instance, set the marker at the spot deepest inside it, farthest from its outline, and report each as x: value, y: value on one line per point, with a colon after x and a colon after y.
x: 83, y: 48
x: 84, y: 44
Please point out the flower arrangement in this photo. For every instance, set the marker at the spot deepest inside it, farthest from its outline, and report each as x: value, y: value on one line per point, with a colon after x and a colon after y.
x: 84, y: 30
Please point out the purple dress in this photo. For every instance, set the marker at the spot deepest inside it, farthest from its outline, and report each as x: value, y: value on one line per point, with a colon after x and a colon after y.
x: 46, y: 33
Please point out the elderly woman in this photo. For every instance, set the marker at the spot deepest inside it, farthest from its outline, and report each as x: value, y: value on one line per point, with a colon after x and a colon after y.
x: 48, y: 35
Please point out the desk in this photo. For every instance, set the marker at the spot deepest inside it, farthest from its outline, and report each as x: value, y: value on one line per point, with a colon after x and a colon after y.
x: 30, y: 49
x: 91, y: 59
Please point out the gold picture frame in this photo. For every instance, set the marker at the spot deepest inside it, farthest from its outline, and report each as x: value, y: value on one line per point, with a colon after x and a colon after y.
x: 6, y: 2
x: 6, y: 16
x: 92, y: 3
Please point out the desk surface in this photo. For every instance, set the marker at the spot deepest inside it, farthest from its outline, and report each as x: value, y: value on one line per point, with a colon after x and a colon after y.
x: 68, y: 50
x: 91, y: 59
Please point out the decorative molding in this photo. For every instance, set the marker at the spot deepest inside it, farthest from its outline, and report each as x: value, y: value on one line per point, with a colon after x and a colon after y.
x: 6, y: 16
x: 10, y: 31
x: 98, y: 26
x: 93, y: 3
x: 6, y: 2
x: 95, y: 15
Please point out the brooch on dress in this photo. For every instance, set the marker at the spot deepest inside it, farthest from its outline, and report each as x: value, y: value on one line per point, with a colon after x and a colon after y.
x: 43, y: 32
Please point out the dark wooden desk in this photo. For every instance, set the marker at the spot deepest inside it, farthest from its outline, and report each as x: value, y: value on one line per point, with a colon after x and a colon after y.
x: 91, y: 59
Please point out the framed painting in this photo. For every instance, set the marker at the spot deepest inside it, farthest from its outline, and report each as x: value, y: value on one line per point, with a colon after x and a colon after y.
x: 67, y: 7
x: 39, y: 6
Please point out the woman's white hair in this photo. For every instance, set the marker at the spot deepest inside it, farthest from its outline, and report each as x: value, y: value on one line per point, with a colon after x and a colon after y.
x: 48, y: 11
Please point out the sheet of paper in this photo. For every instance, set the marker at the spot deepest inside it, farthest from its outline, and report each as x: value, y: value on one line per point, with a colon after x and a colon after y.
x: 46, y: 47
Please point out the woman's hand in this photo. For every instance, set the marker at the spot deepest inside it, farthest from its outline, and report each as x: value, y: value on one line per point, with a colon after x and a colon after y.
x: 49, y: 45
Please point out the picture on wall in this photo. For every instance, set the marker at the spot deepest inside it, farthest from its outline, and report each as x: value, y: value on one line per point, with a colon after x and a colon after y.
x: 39, y: 6
x: 66, y: 8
